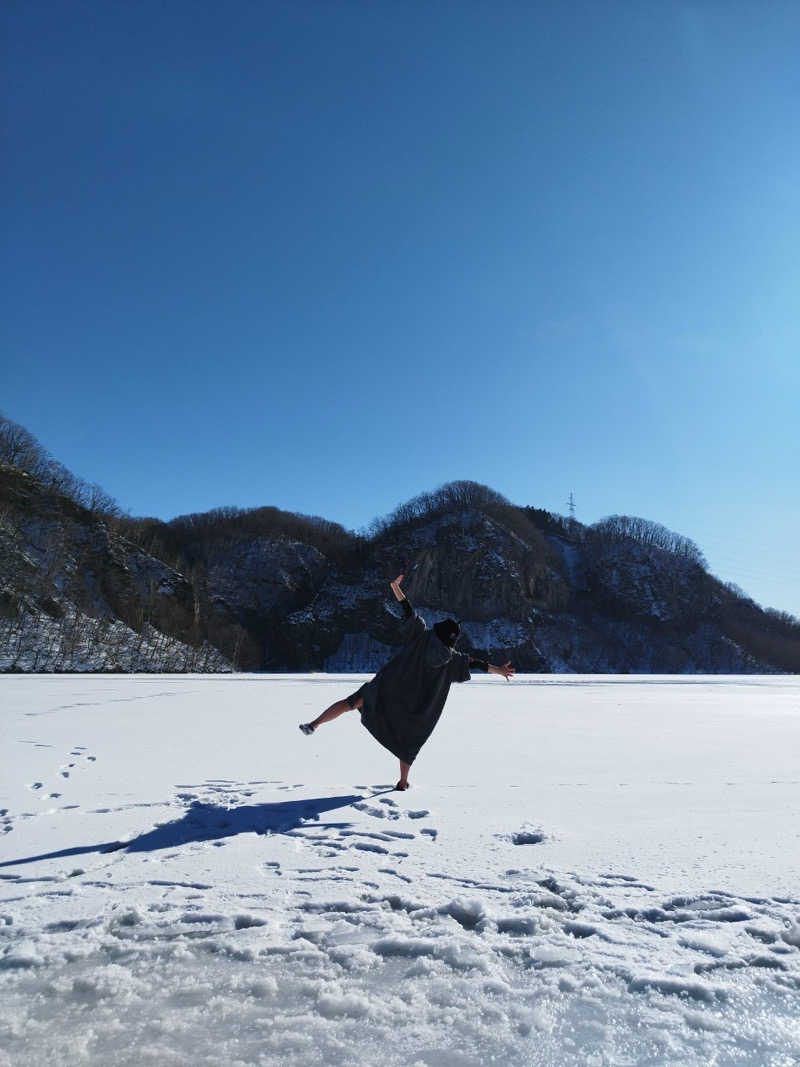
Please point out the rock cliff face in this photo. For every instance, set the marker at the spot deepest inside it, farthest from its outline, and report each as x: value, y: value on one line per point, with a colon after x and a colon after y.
x: 467, y: 565
x: 263, y: 577
x: 63, y: 572
x: 547, y: 605
x: 66, y: 552
x: 545, y: 593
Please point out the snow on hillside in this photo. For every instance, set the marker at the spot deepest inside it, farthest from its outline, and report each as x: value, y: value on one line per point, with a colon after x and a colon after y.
x: 586, y: 871
x: 78, y: 642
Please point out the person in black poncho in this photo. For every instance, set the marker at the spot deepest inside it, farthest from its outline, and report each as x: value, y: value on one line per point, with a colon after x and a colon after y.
x: 401, y: 705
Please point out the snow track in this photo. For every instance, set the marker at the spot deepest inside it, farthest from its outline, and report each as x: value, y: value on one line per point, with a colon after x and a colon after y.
x: 208, y: 886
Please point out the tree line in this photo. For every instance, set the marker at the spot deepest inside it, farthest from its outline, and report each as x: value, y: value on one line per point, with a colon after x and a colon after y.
x: 183, y: 542
x: 20, y: 449
x: 644, y: 532
x: 460, y: 496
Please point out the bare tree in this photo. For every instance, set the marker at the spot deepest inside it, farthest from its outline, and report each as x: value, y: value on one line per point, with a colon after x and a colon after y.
x: 18, y: 446
x: 650, y: 534
x: 101, y: 502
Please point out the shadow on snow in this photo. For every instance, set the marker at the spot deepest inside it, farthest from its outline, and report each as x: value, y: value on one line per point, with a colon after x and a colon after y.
x: 209, y: 822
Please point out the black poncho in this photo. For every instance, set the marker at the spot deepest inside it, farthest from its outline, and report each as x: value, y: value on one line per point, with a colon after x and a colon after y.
x: 404, y: 700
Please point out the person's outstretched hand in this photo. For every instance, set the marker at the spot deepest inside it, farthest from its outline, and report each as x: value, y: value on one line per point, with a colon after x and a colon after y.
x: 506, y: 670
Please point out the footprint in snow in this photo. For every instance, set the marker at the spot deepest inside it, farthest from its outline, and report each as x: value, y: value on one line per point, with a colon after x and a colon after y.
x: 525, y: 836
x: 375, y: 812
x: 81, y: 752
x: 391, y: 870
x: 579, y: 930
x: 528, y: 837
x: 390, y: 810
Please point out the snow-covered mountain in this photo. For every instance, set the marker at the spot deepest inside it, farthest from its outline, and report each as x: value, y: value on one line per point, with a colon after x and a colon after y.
x: 74, y: 595
x: 265, y: 590
x: 568, y: 602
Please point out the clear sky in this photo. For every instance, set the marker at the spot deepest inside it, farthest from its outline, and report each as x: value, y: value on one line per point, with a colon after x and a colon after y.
x: 327, y: 255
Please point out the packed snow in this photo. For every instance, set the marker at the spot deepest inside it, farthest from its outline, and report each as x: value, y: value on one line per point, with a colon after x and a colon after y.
x: 586, y: 870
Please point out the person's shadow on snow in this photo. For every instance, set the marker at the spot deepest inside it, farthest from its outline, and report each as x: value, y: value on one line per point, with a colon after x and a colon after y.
x: 209, y: 822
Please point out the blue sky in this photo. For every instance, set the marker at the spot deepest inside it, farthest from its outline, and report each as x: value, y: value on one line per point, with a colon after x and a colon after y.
x: 329, y: 255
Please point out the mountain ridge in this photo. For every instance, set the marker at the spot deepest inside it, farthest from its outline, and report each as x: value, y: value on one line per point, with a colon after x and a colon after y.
x: 84, y: 587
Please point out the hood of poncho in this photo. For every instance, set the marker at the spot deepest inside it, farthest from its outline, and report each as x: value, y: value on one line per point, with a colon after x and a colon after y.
x: 447, y: 631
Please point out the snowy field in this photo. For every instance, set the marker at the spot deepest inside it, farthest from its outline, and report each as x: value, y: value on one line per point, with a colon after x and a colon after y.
x: 585, y: 871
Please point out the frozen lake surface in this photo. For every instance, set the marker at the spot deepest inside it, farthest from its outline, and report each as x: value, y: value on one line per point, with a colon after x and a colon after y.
x: 586, y: 870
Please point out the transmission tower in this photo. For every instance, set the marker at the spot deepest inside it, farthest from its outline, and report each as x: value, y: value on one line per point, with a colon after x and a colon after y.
x: 571, y: 506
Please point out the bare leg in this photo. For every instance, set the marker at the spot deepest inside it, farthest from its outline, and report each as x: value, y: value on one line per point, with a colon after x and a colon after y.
x: 333, y: 712
x: 404, y: 769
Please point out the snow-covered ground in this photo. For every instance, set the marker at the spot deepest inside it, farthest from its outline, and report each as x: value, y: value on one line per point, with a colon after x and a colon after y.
x: 586, y: 871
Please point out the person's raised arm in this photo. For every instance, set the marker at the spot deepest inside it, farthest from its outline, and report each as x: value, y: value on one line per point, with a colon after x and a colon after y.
x: 408, y: 611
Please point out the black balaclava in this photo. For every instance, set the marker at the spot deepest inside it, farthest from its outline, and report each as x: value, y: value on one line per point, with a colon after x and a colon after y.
x: 447, y: 631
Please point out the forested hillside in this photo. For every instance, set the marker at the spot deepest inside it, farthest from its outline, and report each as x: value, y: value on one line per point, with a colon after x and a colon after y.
x: 85, y: 587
